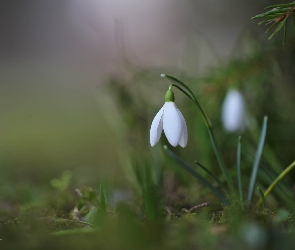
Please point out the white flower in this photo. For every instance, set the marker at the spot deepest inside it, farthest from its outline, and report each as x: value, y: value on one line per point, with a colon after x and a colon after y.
x: 233, y: 111
x: 171, y: 120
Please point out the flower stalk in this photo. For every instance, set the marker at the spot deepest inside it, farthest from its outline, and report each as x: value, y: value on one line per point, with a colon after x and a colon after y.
x: 187, y: 91
x: 276, y: 181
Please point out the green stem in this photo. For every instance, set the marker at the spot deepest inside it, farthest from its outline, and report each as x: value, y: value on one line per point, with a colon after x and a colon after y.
x: 191, y: 95
x: 276, y: 181
x: 194, y: 99
x: 220, y: 159
x: 239, y: 168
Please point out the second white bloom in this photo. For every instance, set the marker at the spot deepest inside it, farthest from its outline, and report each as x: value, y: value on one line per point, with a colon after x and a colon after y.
x: 234, y: 111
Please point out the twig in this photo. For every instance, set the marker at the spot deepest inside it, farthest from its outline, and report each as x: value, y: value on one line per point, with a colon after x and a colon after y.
x: 281, y: 18
x: 168, y: 210
x: 205, y: 204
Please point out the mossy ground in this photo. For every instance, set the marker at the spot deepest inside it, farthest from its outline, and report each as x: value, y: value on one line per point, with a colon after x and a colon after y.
x: 51, y: 199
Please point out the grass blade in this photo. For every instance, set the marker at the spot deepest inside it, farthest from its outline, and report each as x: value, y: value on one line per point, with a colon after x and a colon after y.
x: 239, y: 168
x: 211, y: 174
x: 261, y: 195
x: 276, y: 181
x: 103, y: 205
x: 257, y: 160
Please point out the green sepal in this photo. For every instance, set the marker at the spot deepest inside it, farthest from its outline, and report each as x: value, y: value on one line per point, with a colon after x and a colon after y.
x: 169, y: 97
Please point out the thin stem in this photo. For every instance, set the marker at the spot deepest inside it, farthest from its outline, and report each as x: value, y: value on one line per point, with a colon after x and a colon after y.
x: 184, y: 92
x: 208, y: 124
x: 239, y: 168
x: 192, y: 97
x: 275, y: 182
x: 173, y: 79
x: 207, y: 120
x: 220, y: 159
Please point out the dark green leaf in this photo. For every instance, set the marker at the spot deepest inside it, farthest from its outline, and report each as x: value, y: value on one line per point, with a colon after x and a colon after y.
x: 211, y: 174
x: 103, y: 205
x: 257, y: 160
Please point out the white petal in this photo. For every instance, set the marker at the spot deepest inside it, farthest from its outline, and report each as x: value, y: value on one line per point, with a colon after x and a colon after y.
x: 156, y: 127
x: 233, y: 111
x: 184, y: 134
x: 172, y: 123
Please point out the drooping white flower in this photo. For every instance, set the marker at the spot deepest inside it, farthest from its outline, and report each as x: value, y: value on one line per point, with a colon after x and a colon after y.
x: 169, y: 119
x: 234, y: 111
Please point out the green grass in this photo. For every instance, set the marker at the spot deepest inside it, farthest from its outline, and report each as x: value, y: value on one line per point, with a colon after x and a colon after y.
x: 77, y: 170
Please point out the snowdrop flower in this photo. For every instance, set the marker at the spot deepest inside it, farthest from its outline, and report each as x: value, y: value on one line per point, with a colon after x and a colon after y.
x: 171, y: 120
x: 233, y: 111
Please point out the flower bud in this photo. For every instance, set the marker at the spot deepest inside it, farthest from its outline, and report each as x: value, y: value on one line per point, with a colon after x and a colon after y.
x: 233, y: 111
x: 169, y: 97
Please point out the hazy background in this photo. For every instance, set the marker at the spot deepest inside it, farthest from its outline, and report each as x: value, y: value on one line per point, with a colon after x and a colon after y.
x: 55, y: 56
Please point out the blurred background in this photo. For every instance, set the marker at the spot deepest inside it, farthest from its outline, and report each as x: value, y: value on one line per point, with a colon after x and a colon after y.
x: 80, y: 83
